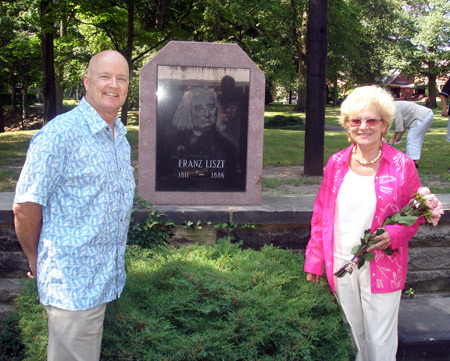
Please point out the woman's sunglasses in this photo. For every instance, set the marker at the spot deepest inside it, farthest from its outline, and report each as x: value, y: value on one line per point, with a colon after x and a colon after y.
x: 369, y: 122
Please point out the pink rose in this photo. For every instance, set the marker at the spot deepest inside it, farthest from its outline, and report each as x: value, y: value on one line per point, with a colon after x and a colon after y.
x: 431, y: 201
x: 437, y: 211
x: 433, y: 221
x: 423, y: 191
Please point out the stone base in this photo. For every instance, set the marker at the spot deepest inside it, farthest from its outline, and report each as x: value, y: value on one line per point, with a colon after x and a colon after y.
x: 424, y: 329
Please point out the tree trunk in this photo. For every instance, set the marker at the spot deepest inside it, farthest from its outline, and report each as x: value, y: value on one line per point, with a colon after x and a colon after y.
x: 268, y: 97
x: 59, y: 75
x: 160, y: 7
x: 316, y: 87
x: 48, y: 63
x: 2, y: 118
x: 13, y: 96
x: 128, y: 56
x: 301, y: 91
x: 217, y: 26
x: 302, y: 67
x: 25, y: 108
x: 432, y: 91
x: 335, y: 92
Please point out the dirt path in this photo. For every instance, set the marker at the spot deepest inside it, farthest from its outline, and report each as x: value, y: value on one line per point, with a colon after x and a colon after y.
x: 296, y: 172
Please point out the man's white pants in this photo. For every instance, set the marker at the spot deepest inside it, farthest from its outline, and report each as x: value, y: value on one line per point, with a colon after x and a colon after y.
x: 373, y: 317
x: 75, y: 335
x: 416, y: 135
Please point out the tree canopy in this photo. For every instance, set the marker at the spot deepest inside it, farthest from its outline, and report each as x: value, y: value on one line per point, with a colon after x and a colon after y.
x: 366, y: 40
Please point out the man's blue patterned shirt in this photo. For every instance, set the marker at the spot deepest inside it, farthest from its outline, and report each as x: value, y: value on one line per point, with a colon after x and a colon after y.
x: 84, y: 181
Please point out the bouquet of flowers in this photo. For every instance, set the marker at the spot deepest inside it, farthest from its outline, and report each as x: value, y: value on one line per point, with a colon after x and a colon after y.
x: 424, y: 204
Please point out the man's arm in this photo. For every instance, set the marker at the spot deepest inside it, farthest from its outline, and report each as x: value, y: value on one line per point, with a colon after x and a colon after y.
x: 28, y: 224
x: 444, y: 105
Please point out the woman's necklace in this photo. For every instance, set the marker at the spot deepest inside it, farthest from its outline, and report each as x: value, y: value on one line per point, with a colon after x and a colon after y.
x: 365, y: 162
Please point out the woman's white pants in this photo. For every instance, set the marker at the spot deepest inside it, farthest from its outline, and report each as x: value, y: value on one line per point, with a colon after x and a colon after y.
x: 373, y: 317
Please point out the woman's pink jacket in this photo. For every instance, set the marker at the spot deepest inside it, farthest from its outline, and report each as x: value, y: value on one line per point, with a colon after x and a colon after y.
x: 396, y: 182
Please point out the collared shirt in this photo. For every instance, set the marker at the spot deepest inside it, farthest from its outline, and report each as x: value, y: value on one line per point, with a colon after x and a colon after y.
x: 84, y: 181
x: 407, y: 114
x: 396, y: 181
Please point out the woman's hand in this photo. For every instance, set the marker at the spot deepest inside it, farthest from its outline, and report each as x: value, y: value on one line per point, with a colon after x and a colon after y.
x: 383, y: 241
x: 313, y: 278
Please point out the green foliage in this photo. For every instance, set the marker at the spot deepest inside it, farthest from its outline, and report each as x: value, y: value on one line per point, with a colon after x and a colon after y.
x: 366, y: 242
x: 192, y: 225
x: 422, y: 34
x: 222, y: 303
x: 32, y: 323
x: 210, y: 303
x: 410, y: 293
x: 225, y: 226
x: 8, y: 179
x: 285, y: 122
x: 11, y: 346
x: 154, y: 231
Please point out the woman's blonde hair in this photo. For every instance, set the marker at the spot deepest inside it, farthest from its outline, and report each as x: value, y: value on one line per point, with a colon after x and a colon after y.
x: 364, y: 97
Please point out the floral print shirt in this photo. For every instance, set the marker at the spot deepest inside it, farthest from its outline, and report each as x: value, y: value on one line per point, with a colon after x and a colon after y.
x: 395, y: 183
x: 84, y: 181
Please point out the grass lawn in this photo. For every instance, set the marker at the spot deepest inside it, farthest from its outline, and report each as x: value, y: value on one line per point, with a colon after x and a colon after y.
x: 281, y: 147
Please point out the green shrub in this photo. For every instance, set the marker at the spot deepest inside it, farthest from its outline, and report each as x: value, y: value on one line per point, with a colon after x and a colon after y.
x: 32, y: 323
x: 222, y: 303
x: 154, y: 231
x: 291, y: 122
x: 11, y: 348
x: 216, y: 303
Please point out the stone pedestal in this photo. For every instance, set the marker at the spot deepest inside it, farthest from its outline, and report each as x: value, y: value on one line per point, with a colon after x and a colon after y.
x: 201, y: 126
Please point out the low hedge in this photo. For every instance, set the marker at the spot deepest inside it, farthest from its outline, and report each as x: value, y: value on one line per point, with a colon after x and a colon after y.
x: 290, y: 122
x: 210, y: 303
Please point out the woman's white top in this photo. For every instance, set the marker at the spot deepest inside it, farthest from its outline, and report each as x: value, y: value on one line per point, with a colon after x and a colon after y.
x: 355, y: 208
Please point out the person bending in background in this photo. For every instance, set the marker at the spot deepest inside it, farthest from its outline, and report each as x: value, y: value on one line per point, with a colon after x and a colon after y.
x: 415, y: 118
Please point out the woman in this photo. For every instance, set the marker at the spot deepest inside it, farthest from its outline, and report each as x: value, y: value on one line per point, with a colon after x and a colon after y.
x: 362, y: 185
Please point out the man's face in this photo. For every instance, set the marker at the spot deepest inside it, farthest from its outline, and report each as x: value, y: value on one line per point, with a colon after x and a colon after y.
x: 203, y: 111
x: 106, y: 84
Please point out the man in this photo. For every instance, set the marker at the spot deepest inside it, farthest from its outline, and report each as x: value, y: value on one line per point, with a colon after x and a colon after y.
x: 72, y: 210
x: 417, y: 119
x: 444, y: 103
